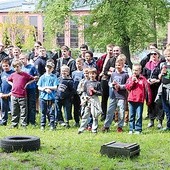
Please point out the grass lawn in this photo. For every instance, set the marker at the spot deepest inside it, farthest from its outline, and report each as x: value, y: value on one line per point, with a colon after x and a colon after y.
x: 66, y: 150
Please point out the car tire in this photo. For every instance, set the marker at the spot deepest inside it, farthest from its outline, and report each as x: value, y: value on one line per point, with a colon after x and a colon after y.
x: 20, y: 143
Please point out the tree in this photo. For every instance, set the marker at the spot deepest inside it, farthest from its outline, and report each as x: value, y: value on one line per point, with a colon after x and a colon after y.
x: 5, y: 38
x: 128, y: 23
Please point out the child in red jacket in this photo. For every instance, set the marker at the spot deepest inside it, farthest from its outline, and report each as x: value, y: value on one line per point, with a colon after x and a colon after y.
x: 139, y: 90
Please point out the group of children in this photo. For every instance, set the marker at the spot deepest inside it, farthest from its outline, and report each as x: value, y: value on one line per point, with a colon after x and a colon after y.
x: 81, y: 88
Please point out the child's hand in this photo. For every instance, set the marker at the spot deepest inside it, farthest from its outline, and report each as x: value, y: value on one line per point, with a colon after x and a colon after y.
x: 48, y: 91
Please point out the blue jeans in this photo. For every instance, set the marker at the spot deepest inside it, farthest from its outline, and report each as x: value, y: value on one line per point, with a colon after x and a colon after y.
x: 166, y: 106
x: 113, y: 105
x: 135, y: 112
x: 5, y: 107
x: 31, y: 106
x: 47, y: 109
x: 67, y: 106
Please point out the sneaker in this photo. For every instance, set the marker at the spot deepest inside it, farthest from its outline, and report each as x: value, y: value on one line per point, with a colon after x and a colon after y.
x: 150, y: 124
x: 42, y: 128
x: 105, y: 129
x: 137, y: 133
x: 116, y: 124
x: 130, y: 132
x: 165, y: 129
x: 119, y: 130
x: 52, y: 128
x: 94, y: 131
x: 159, y: 126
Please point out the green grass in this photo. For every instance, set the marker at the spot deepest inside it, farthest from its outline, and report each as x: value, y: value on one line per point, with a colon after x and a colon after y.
x: 66, y: 150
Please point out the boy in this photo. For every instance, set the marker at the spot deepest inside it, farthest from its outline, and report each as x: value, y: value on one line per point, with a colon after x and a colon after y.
x: 64, y: 94
x: 137, y: 86
x: 117, y: 96
x: 31, y: 89
x: 5, y: 90
x: 77, y: 77
x: 89, y: 60
x: 19, y: 81
x: 47, y: 84
x: 92, y: 90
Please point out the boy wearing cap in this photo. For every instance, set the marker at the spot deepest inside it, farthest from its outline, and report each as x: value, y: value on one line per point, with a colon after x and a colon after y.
x: 47, y: 84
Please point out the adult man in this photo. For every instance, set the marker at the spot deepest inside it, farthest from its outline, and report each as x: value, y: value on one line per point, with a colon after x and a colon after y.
x: 65, y: 59
x: 83, y: 49
x: 101, y: 63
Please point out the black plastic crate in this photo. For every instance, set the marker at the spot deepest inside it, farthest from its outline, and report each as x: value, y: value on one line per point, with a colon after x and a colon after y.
x: 113, y: 149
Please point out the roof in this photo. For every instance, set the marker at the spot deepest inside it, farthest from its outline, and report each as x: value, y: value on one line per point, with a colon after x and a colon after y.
x: 18, y: 5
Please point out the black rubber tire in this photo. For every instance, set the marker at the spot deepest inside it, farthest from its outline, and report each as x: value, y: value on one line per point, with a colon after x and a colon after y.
x: 20, y: 143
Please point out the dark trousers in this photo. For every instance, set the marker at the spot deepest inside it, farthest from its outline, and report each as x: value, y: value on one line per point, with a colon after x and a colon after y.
x: 77, y: 108
x: 105, y: 96
x: 31, y: 105
x: 67, y: 106
x: 47, y: 107
x: 5, y: 108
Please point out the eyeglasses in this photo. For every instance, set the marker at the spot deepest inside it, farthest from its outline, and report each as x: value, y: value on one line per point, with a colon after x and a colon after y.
x: 153, y: 53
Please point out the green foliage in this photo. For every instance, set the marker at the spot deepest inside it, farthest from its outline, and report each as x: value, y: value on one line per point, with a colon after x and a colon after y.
x: 5, y: 38
x: 29, y: 41
x: 18, y: 42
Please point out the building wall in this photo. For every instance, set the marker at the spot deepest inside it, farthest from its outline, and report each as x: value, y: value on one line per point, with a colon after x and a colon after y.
x: 36, y: 19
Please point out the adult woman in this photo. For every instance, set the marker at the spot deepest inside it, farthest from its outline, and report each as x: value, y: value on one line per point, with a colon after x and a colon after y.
x: 151, y: 72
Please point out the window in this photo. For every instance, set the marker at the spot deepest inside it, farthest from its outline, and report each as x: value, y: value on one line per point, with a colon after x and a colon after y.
x: 73, y: 34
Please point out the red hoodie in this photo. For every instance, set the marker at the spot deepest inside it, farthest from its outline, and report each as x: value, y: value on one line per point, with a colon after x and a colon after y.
x: 139, y: 91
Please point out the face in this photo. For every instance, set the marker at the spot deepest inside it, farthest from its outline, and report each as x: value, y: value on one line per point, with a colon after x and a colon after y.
x: 5, y: 67
x: 23, y: 59
x: 154, y: 56
x: 65, y: 53
x: 88, y: 57
x: 1, y: 48
x: 83, y: 51
x: 92, y: 75
x: 136, y: 70
x: 36, y: 46
x: 16, y: 53
x: 109, y: 51
x: 49, y: 69
x: 116, y: 51
x: 86, y: 74
x: 64, y: 72
x: 167, y: 56
x: 119, y: 66
x: 42, y: 52
x: 79, y: 64
x: 17, y: 68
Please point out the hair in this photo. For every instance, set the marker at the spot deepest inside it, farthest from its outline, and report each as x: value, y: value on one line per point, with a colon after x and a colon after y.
x: 65, y: 67
x: 41, y: 47
x: 50, y: 60
x: 84, y: 46
x: 79, y: 60
x: 38, y: 42
x: 156, y: 51
x: 93, y: 70
x: 110, y: 46
x: 90, y: 52
x: 25, y: 55
x: 16, y: 62
x: 86, y: 70
x: 122, y: 56
x: 120, y: 61
x: 64, y: 47
x: 6, y: 60
x: 153, y: 44
x: 138, y: 65
x: 16, y: 48
x: 167, y: 50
